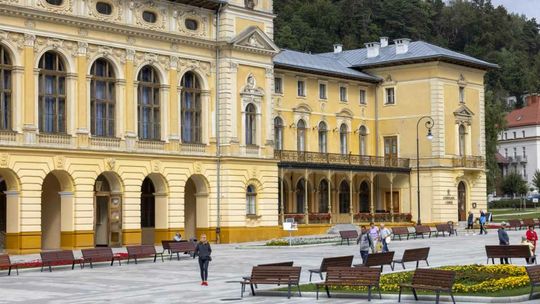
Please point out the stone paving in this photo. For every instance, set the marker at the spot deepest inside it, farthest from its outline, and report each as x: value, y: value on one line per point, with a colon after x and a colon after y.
x: 178, y: 281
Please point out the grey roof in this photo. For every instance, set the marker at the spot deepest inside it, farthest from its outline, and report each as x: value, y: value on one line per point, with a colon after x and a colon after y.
x: 319, y: 64
x: 418, y: 51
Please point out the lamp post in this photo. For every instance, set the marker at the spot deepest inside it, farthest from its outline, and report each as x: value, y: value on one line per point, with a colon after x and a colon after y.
x: 429, y: 124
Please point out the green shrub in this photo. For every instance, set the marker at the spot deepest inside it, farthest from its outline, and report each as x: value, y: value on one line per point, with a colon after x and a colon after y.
x: 510, y: 203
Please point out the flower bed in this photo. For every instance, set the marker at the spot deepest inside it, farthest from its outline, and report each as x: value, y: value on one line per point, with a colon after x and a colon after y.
x: 319, y: 217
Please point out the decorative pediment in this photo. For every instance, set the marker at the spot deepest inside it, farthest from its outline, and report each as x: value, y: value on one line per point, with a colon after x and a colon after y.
x: 254, y: 39
x: 302, y: 108
x: 251, y: 87
x: 463, y: 115
x: 345, y: 113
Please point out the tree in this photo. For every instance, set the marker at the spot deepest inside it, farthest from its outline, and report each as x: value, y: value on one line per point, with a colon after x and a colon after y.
x: 536, y: 179
x: 514, y: 184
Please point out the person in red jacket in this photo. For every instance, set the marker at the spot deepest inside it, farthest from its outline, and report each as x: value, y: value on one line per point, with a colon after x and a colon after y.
x: 532, y: 236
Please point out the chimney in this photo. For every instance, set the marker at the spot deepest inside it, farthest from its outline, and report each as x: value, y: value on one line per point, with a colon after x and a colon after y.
x: 402, y: 45
x: 338, y: 47
x: 372, y: 49
x: 384, y: 41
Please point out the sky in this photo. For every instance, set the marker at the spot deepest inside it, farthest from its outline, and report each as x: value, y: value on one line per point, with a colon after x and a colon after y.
x: 530, y: 8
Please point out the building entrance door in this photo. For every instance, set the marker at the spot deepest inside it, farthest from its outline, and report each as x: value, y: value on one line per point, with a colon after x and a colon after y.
x: 392, y: 202
x: 462, y: 202
x: 102, y: 221
x: 390, y: 150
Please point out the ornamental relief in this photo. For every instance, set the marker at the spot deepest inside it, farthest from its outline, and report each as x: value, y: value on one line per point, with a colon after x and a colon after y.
x: 153, y: 59
x: 42, y: 43
x: 17, y: 39
x: 202, y: 22
x: 140, y: 6
x: 196, y: 65
x: 9, y: 1
x: 64, y: 8
x: 116, y: 14
x: 100, y: 51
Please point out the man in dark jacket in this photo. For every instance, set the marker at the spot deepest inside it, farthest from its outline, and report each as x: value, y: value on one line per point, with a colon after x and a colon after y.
x: 503, y: 240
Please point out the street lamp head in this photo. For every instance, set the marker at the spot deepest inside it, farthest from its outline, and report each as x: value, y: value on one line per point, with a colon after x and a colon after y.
x: 429, y: 134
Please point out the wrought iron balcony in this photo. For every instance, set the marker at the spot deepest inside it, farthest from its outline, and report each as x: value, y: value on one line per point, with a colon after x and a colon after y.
x: 315, y: 158
x: 470, y: 162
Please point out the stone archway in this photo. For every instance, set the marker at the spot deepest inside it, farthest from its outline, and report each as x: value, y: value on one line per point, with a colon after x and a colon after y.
x: 108, y: 210
x: 196, y: 214
x: 56, y: 208
x: 154, y: 208
x: 9, y: 210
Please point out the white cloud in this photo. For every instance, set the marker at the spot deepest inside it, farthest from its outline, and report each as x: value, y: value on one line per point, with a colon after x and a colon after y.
x: 529, y: 8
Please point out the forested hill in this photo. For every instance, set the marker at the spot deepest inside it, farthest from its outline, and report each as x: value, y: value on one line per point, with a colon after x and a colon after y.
x: 475, y: 27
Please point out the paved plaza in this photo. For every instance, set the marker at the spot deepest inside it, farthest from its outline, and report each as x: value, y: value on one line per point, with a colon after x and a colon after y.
x: 178, y: 281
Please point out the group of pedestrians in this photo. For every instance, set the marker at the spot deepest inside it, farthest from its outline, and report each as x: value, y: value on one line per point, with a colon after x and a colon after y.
x: 529, y: 239
x: 482, y: 220
x: 374, y: 239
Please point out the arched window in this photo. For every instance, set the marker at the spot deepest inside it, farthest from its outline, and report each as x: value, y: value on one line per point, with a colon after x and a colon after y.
x: 462, y: 136
x: 148, y: 204
x: 251, y: 196
x: 343, y: 131
x: 52, y: 94
x: 251, y: 125
x: 300, y: 195
x: 148, y: 106
x: 363, y: 140
x: 301, y: 136
x: 322, y: 137
x: 5, y: 89
x: 344, y: 198
x: 364, y: 197
x: 191, y: 109
x: 278, y: 133
x: 323, y: 196
x: 102, y: 98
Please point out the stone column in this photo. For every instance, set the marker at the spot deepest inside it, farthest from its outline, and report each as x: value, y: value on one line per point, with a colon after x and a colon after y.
x: 282, y: 194
x: 130, y: 101
x: 82, y: 102
x: 29, y: 97
x: 329, y: 177
x: 13, y: 216
x: 67, y: 221
x: 351, y: 189
x: 161, y: 216
x: 371, y: 202
x: 306, y: 205
x: 392, y: 197
x: 17, y: 94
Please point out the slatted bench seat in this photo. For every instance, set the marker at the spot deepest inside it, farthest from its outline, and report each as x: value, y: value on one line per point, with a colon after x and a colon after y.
x: 343, y: 261
x: 99, y: 254
x: 5, y: 263
x: 508, y: 251
x: 528, y: 222
x: 514, y: 224
x: 273, y: 275
x: 534, y: 277
x: 181, y: 247
x: 378, y: 260
x: 289, y: 263
x: 348, y: 276
x: 443, y: 228
x: 143, y: 251
x: 347, y: 235
x: 413, y: 255
x: 433, y: 280
x: 421, y: 230
x: 401, y: 231
x: 61, y: 257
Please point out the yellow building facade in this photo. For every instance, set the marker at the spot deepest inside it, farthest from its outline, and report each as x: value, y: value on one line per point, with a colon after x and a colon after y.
x: 124, y: 122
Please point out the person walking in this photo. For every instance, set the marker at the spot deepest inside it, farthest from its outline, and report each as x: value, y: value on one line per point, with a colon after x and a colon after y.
x: 532, y: 237
x: 470, y: 222
x: 375, y: 236
x: 385, y: 237
x: 483, y: 220
x: 503, y: 240
x: 364, y: 239
x: 203, y: 251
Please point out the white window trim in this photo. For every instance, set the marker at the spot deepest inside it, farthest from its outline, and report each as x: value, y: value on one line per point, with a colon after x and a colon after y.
x: 280, y: 76
x: 298, y: 79
x: 386, y: 96
x: 360, y: 89
x: 346, y: 86
x: 319, y: 88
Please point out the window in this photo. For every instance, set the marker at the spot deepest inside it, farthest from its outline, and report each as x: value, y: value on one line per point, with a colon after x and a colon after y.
x: 5, y: 89
x: 505, y: 135
x: 55, y: 2
x: 363, y: 140
x: 390, y: 96
x: 191, y: 109
x: 522, y: 133
x: 514, y: 135
x: 149, y: 16
x: 342, y: 93
x: 251, y: 116
x: 343, y: 132
x: 102, y: 99
x: 104, y: 8
x: 524, y: 152
x: 363, y: 97
x: 505, y: 152
x: 148, y: 204
x: 301, y: 135
x: 148, y: 106
x: 52, y: 94
x: 344, y: 197
x: 322, y: 91
x: 301, y: 88
x: 515, y: 152
x: 191, y: 24
x: 461, y: 94
x: 278, y: 85
x: 278, y: 133
x: 251, y: 196
x: 462, y: 137
x: 323, y: 196
x: 322, y: 137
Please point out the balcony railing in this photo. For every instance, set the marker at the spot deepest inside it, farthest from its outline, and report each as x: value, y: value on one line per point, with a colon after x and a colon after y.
x: 470, y: 162
x: 151, y: 145
x: 55, y: 140
x: 342, y: 159
x: 193, y: 149
x: 252, y: 150
x: 8, y: 137
x: 105, y: 143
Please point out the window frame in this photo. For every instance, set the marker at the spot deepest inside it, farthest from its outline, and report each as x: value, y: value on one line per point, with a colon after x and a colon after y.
x: 108, y: 102
x: 461, y: 94
x: 278, y: 89
x: 278, y: 133
x: 323, y: 91
x: 301, y: 135
x: 6, y: 92
x: 343, y: 93
x: 251, y: 200
x: 194, y: 109
x: 155, y: 86
x: 251, y: 124
x: 301, y: 89
x: 344, y: 139
x: 59, y: 120
x: 387, y: 95
x: 323, y: 137
x: 362, y: 96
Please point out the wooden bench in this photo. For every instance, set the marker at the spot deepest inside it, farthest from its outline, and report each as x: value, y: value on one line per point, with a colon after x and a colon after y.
x: 181, y: 247
x: 378, y: 260
x: 534, y: 276
x: 347, y: 235
x: 143, y: 251
x: 528, y: 222
x: 413, y: 255
x: 421, y: 230
x: 508, y: 251
x: 348, y: 276
x: 514, y: 224
x: 443, y: 228
x: 5, y: 262
x: 273, y: 275
x: 432, y: 280
x: 61, y: 257
x: 100, y: 254
x: 399, y: 231
x: 340, y: 261
x: 290, y: 263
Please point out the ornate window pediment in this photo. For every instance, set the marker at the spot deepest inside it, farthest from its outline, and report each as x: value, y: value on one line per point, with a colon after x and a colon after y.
x: 463, y: 115
x: 254, y: 39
